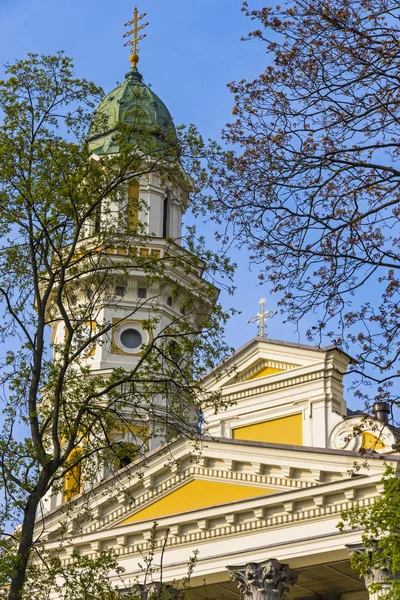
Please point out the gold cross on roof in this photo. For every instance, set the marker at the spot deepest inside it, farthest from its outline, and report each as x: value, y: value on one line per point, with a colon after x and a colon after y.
x: 134, y: 58
x: 261, y: 317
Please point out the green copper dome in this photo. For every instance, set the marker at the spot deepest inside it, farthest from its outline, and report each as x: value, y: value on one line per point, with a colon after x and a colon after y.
x: 134, y: 105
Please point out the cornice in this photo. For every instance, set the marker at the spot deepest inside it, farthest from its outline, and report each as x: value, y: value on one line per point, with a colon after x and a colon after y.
x: 269, y: 513
x: 258, y: 455
x: 279, y: 348
x: 174, y: 482
x: 260, y: 364
x: 278, y: 381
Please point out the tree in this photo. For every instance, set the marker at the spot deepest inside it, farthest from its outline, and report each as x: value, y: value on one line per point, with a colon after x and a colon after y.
x: 379, y: 558
x: 57, y: 272
x: 310, y: 185
x: 313, y: 189
x: 85, y: 578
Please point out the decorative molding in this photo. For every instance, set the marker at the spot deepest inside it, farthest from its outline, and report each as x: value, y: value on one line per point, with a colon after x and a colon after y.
x: 69, y: 550
x: 342, y: 436
x: 231, y: 518
x: 72, y: 526
x: 260, y: 365
x: 122, y: 540
x: 175, y: 467
x: 175, y: 530
x: 350, y: 494
x: 257, y: 468
x: 96, y: 546
x: 147, y: 482
x: 289, y: 506
x: 202, y: 524
x: 96, y: 512
x: 125, y: 509
x: 269, y: 580
x: 287, y: 472
x: 266, y: 523
x: 121, y: 498
x: 317, y: 474
x: 266, y: 388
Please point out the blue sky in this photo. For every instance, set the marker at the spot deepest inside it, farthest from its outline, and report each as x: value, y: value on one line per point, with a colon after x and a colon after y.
x: 191, y: 52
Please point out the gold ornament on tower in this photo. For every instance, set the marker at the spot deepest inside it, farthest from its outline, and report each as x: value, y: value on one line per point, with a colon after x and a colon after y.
x: 134, y: 57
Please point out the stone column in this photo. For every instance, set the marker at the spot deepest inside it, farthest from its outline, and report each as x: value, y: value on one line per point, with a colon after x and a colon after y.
x: 377, y: 577
x: 269, y: 580
x: 383, y: 576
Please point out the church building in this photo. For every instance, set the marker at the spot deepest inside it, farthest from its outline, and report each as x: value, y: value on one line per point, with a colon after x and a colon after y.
x: 260, y: 503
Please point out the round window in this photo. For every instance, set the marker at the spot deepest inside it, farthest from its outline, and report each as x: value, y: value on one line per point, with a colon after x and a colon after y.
x: 131, y: 338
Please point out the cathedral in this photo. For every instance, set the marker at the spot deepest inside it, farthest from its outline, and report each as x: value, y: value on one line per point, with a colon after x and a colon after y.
x: 261, y: 502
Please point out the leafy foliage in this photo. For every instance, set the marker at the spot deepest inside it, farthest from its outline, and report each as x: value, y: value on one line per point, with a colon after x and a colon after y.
x: 58, y: 270
x: 311, y: 185
x: 379, y: 561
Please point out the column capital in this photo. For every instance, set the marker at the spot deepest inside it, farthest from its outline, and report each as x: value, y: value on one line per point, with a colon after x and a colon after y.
x: 153, y: 590
x: 268, y: 580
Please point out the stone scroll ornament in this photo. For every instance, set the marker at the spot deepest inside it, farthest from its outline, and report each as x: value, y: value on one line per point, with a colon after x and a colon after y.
x: 269, y: 580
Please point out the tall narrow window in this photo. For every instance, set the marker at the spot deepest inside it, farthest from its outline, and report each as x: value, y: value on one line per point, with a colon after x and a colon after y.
x: 97, y: 219
x: 165, y: 218
x: 133, y: 206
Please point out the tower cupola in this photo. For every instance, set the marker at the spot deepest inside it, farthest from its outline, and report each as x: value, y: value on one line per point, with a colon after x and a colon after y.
x: 133, y: 111
x: 146, y: 118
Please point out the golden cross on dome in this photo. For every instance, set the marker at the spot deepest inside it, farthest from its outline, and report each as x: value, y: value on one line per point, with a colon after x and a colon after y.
x: 262, y: 316
x: 134, y: 58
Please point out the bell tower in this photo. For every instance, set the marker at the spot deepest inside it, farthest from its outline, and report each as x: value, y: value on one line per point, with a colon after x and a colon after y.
x: 151, y: 287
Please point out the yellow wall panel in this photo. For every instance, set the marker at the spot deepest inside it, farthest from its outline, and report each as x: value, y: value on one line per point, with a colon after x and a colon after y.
x: 73, y: 478
x: 370, y: 441
x: 196, y: 494
x: 264, y: 372
x: 286, y: 430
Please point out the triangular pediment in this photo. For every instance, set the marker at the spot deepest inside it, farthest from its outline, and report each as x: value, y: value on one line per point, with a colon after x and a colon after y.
x: 261, y: 367
x: 264, y: 357
x: 228, y: 473
x: 234, y: 487
x: 194, y: 495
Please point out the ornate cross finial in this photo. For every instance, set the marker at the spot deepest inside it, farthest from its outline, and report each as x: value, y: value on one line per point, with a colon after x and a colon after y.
x: 262, y: 316
x: 134, y: 58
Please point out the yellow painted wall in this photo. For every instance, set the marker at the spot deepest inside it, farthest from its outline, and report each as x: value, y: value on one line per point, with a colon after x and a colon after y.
x: 264, y: 372
x: 196, y: 494
x: 286, y: 430
x: 371, y: 441
x: 73, y: 478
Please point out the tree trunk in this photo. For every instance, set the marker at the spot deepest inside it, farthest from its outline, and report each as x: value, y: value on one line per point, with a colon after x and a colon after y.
x: 24, y: 548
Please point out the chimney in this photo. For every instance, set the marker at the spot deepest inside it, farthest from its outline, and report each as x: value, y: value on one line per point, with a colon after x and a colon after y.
x: 381, y: 411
